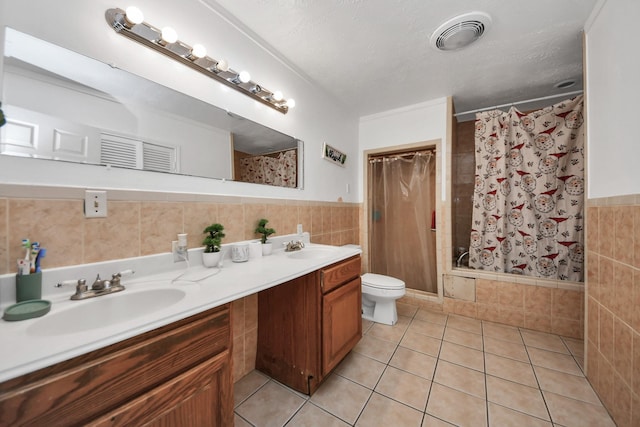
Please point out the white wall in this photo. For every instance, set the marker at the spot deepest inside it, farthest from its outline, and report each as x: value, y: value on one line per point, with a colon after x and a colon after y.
x: 415, y: 123
x: 80, y: 25
x: 613, y: 92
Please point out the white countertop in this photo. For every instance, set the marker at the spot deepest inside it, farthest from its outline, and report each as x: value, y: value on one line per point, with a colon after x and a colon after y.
x: 24, y: 351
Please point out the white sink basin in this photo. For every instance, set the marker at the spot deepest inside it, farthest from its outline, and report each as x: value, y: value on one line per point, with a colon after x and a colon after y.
x: 104, y: 311
x: 313, y: 253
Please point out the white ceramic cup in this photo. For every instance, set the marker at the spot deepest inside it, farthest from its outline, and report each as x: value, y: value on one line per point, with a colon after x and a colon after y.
x: 255, y: 249
x: 240, y: 252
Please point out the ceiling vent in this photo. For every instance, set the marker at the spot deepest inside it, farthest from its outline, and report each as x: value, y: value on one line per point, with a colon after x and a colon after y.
x: 460, y: 31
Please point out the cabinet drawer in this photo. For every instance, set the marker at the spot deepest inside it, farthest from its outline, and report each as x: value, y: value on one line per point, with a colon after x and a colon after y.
x: 75, y: 391
x: 337, y: 274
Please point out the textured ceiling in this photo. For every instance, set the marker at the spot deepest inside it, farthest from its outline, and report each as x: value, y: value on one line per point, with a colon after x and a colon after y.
x: 374, y: 55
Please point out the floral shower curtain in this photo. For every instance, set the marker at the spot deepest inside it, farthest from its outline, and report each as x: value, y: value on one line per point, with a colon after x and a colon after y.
x: 279, y: 171
x: 528, y: 196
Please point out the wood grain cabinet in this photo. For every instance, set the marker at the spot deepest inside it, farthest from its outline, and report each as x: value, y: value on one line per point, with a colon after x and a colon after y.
x: 308, y: 325
x: 179, y: 374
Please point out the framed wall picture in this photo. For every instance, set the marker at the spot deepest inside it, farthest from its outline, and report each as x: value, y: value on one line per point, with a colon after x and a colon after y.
x: 333, y: 155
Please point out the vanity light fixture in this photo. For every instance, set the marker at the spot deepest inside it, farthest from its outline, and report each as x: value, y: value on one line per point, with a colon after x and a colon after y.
x: 130, y: 23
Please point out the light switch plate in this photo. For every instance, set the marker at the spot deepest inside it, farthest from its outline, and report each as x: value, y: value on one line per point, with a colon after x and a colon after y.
x: 95, y: 204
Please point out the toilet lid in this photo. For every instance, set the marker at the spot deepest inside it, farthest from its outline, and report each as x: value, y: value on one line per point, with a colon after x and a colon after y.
x: 381, y: 281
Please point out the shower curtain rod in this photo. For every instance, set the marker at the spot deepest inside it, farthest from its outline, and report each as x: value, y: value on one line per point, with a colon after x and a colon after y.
x: 495, y: 107
x: 380, y: 157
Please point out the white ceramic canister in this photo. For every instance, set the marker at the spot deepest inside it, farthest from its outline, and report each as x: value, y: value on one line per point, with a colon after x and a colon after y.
x: 255, y: 249
x: 240, y: 252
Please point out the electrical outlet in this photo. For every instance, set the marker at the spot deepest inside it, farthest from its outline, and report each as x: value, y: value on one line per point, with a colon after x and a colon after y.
x: 95, y: 204
x: 299, y: 229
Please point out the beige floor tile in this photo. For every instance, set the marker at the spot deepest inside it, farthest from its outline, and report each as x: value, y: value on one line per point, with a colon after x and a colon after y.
x: 501, y: 332
x: 375, y: 348
x: 421, y: 343
x: 366, y: 325
x: 361, y: 369
x: 544, y: 341
x: 239, y: 422
x: 427, y: 328
x: 566, y: 385
x: 414, y: 362
x: 517, y: 397
x: 407, y: 310
x: 465, y: 323
x: 574, y: 413
x: 431, y: 316
x: 499, y: 416
x: 460, y: 378
x: 461, y: 337
x: 384, y: 412
x: 272, y: 405
x: 431, y: 421
x: 341, y: 397
x: 456, y: 407
x: 509, y: 369
x: 552, y: 360
x: 247, y: 385
x: 390, y: 333
x: 575, y: 346
x: 404, y: 387
x: 312, y: 416
x: 461, y: 355
x: 506, y: 349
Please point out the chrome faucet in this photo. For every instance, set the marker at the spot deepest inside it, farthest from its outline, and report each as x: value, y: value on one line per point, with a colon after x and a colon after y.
x: 459, y: 260
x: 98, y: 288
x: 293, y: 246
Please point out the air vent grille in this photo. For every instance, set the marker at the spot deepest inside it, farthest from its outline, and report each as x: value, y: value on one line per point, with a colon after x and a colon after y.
x: 460, y: 31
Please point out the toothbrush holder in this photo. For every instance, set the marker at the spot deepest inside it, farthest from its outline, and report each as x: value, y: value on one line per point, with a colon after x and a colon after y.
x: 28, y: 287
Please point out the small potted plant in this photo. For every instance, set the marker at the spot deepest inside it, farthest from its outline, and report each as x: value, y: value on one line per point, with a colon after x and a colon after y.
x: 267, y: 247
x: 212, y: 244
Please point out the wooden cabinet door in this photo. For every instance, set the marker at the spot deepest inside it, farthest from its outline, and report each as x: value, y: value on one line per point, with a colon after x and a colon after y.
x: 341, y: 323
x: 202, y: 396
x: 288, y: 347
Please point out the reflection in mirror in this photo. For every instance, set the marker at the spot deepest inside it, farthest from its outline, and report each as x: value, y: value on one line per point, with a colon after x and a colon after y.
x: 64, y: 106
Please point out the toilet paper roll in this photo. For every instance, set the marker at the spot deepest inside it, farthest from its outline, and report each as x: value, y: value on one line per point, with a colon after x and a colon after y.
x: 255, y: 250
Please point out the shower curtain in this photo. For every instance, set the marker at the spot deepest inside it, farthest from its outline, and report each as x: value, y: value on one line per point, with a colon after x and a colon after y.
x: 529, y: 192
x: 279, y: 170
x: 402, y: 190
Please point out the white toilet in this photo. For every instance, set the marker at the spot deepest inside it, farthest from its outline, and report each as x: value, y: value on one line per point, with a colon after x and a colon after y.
x: 379, y: 295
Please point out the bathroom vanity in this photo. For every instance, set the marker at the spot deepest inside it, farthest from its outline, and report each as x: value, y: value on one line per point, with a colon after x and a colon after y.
x: 308, y: 325
x: 160, y: 352
x: 179, y: 374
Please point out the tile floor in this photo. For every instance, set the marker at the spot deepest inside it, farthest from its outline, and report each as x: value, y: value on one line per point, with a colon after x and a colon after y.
x: 433, y: 369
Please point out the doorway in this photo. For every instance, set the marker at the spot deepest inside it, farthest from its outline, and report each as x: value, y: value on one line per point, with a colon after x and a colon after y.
x: 402, y: 204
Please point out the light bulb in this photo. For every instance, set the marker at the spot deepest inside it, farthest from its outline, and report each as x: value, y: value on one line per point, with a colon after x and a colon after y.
x: 198, y: 51
x: 169, y: 35
x: 133, y: 15
x: 244, y: 77
x: 277, y: 96
x: 291, y: 103
x: 222, y: 65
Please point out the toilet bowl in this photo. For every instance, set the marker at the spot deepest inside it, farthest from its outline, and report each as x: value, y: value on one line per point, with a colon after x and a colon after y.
x: 379, y: 295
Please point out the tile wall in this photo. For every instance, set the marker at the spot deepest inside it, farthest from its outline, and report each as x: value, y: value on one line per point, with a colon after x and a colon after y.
x: 143, y: 223
x: 540, y: 308
x: 613, y: 305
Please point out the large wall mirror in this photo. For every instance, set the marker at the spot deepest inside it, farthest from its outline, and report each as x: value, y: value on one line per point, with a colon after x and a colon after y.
x: 64, y: 106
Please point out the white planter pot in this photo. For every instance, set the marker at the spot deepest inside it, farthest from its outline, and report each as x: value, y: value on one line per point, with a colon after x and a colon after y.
x: 211, y: 259
x: 267, y: 248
